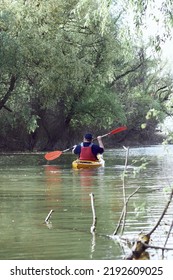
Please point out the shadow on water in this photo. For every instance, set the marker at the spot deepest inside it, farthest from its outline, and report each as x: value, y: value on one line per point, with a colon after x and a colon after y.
x: 30, y: 188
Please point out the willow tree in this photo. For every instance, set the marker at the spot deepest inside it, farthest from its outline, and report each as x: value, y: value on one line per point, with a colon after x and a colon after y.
x: 152, y: 21
x: 65, y: 52
x: 143, y: 82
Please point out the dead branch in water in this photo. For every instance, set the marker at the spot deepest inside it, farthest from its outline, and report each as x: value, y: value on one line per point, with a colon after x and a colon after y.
x: 163, y: 213
x: 126, y: 200
x: 168, y: 235
x: 124, y: 209
x: 138, y: 247
x: 93, y: 227
x: 124, y: 191
x: 48, y: 216
x: 142, y: 242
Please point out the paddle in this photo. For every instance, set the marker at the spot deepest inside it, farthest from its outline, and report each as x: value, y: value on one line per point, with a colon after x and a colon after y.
x: 55, y: 154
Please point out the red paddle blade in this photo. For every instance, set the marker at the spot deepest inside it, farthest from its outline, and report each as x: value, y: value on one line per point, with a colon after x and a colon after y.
x: 117, y: 130
x: 53, y: 155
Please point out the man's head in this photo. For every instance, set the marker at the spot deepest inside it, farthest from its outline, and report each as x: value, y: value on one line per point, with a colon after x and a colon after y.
x: 88, y: 137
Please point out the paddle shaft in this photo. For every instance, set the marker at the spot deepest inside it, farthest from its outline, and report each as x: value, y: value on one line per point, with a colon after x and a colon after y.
x: 67, y: 149
x: 119, y: 129
x: 103, y: 136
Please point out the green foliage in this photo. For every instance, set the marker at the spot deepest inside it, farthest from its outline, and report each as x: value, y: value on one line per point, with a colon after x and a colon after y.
x: 140, y: 164
x: 74, y: 67
x: 139, y: 209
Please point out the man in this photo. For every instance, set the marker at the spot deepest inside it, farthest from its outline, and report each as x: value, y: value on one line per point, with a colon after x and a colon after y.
x: 87, y: 150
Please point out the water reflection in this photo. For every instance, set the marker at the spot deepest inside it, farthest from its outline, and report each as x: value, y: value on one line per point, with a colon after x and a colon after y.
x: 93, y: 245
x: 86, y: 177
x: 53, y: 181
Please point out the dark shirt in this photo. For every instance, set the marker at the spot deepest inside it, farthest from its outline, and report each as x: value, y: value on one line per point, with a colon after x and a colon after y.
x: 95, y: 149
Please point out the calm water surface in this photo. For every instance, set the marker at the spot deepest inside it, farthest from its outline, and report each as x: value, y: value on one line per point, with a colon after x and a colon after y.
x: 30, y: 188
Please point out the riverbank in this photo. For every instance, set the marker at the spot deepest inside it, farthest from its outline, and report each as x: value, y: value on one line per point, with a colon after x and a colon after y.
x: 130, y: 139
x: 137, y: 140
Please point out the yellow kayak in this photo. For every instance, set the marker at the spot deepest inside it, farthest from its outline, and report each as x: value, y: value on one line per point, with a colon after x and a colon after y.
x: 77, y: 164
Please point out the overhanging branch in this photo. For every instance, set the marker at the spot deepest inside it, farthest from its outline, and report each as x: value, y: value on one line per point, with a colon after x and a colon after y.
x: 8, y: 93
x: 126, y: 73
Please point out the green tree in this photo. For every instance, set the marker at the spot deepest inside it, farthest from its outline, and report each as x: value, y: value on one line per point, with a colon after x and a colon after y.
x: 70, y: 66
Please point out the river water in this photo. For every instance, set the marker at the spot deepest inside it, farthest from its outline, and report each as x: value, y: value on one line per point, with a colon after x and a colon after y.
x: 30, y: 188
